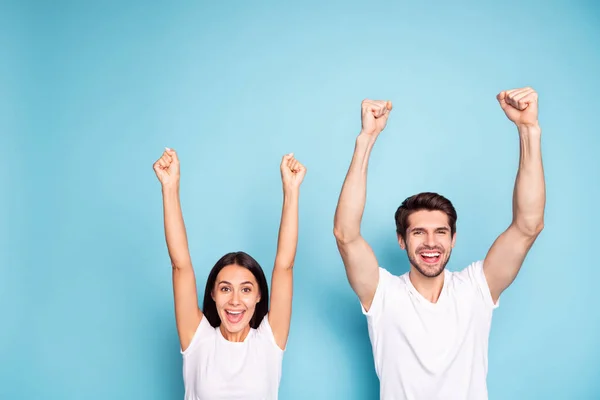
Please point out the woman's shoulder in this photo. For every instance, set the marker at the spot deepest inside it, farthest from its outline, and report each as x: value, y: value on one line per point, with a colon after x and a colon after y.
x: 204, y: 332
x: 265, y: 333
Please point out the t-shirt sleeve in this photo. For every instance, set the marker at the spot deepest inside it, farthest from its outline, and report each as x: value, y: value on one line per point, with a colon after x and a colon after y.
x: 379, y: 299
x: 264, y: 330
x: 203, y: 331
x: 474, y: 274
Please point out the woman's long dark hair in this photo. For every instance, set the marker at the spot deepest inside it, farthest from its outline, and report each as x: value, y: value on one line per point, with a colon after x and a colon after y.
x: 209, y: 308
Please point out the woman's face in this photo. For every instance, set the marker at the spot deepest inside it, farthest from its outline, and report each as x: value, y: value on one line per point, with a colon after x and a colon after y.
x: 236, y: 294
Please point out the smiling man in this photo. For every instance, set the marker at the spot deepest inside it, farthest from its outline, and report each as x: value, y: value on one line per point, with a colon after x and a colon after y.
x: 429, y: 328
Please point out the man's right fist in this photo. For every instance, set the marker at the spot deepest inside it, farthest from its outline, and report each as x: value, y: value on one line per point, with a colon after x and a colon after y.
x: 374, y: 115
x: 167, y: 168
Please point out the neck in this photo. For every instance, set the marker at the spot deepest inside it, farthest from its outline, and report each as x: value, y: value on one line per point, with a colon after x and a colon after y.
x: 429, y: 288
x: 236, y: 336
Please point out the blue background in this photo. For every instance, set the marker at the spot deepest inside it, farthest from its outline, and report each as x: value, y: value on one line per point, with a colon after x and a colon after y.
x: 93, y: 92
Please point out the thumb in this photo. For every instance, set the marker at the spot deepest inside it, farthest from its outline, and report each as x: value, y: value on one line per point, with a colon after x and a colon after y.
x: 286, y: 158
x: 501, y: 97
x: 172, y: 153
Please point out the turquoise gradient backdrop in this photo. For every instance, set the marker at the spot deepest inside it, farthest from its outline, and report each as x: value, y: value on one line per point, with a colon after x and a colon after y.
x: 93, y: 91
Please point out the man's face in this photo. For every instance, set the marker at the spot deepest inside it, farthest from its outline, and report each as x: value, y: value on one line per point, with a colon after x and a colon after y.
x: 429, y: 242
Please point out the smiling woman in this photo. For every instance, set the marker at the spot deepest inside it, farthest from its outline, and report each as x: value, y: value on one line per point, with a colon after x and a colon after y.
x: 236, y: 295
x: 233, y: 348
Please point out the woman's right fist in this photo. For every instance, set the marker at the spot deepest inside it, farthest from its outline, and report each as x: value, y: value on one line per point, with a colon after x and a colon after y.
x: 167, y: 168
x: 374, y: 115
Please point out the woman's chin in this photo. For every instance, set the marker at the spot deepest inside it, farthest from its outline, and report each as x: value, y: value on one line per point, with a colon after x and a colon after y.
x: 236, y: 328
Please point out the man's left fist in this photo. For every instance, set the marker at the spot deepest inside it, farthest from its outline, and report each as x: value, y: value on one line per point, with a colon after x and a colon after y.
x: 520, y: 105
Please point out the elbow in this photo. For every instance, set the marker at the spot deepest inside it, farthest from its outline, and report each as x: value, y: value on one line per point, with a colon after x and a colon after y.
x: 531, y: 229
x: 176, y: 266
x: 343, y: 236
x: 540, y: 227
x: 284, y: 263
x: 284, y: 266
x: 179, y: 265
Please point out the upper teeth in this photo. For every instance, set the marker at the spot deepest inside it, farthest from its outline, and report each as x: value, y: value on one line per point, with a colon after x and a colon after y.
x: 431, y: 254
x: 234, y: 312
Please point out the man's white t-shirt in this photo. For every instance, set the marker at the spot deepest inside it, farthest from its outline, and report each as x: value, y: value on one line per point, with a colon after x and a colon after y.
x: 217, y: 369
x: 424, y: 350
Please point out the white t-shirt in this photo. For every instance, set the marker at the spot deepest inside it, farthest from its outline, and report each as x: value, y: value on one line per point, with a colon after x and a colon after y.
x: 217, y: 369
x: 425, y: 350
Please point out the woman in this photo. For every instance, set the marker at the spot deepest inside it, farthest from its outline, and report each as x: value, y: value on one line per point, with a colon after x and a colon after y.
x: 233, y: 347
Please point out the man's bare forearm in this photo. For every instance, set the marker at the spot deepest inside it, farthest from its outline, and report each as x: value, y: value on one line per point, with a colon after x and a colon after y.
x: 529, y: 196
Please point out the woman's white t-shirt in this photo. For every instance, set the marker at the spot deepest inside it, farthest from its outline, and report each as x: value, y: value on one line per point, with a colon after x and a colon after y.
x: 217, y: 369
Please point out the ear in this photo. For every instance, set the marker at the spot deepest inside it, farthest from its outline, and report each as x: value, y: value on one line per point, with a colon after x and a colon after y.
x: 453, y: 239
x: 401, y: 242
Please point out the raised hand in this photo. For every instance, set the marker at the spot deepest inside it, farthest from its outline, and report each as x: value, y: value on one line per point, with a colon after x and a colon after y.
x: 167, y: 168
x: 520, y: 105
x: 374, y: 115
x: 292, y: 172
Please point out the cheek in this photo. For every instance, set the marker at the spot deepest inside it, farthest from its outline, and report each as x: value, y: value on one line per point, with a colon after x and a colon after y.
x: 412, y: 245
x: 220, y: 299
x: 251, y: 301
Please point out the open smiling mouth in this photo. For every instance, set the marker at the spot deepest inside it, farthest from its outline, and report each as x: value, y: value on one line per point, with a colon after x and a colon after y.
x: 234, y: 316
x: 430, y: 257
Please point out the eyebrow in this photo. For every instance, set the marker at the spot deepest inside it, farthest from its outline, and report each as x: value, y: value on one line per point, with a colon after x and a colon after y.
x: 229, y: 283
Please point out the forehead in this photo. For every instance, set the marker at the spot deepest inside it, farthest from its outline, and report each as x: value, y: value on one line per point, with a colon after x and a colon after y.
x: 428, y: 219
x: 235, y: 275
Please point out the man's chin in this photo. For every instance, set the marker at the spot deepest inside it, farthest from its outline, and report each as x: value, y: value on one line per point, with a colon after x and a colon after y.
x: 430, y: 271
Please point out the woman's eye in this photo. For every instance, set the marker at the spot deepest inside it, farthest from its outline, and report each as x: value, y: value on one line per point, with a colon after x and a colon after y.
x: 224, y: 289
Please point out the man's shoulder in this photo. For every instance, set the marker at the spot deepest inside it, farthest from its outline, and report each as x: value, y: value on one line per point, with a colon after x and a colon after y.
x: 472, y: 278
x: 467, y: 274
x: 391, y: 277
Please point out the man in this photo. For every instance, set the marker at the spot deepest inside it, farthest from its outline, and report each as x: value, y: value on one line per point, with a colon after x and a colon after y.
x: 429, y: 328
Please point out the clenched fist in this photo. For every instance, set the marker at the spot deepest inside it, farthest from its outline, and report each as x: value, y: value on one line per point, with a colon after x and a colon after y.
x: 374, y: 116
x: 292, y: 172
x: 520, y: 105
x: 167, y: 168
